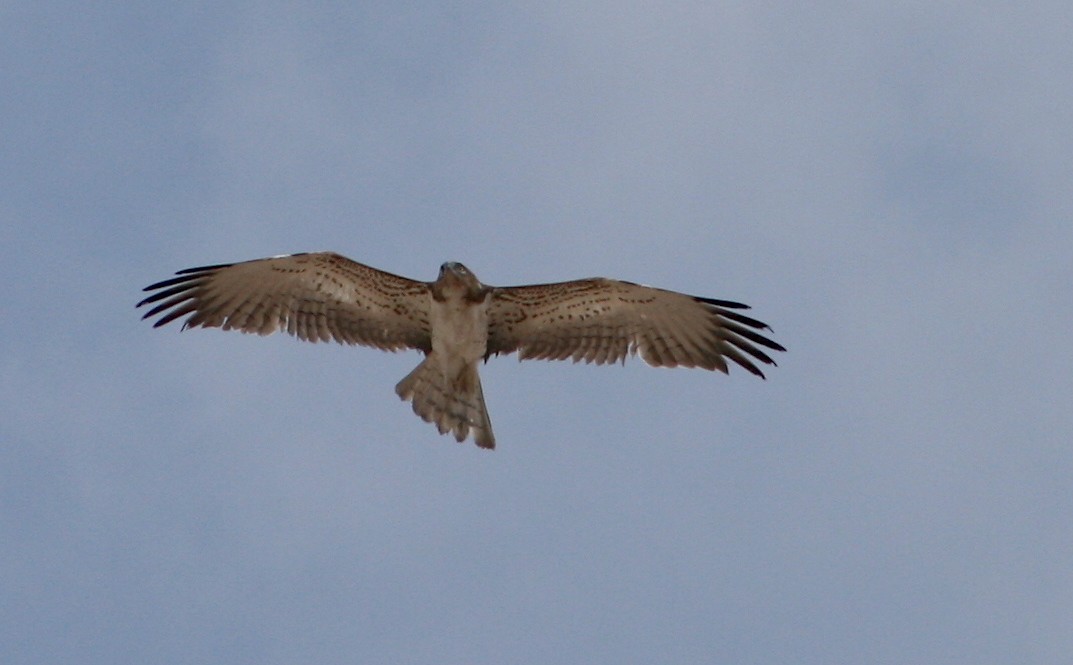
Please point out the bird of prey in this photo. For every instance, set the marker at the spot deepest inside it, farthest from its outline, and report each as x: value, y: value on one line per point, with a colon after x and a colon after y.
x: 456, y: 322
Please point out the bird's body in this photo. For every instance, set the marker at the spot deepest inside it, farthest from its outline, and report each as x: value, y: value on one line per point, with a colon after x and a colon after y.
x: 458, y: 315
x: 445, y: 388
x: 456, y: 322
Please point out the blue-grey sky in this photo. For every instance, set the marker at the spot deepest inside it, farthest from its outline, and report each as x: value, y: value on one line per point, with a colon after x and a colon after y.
x: 888, y: 185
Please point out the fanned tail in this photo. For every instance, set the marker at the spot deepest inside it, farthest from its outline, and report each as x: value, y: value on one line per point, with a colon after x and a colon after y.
x: 453, y: 403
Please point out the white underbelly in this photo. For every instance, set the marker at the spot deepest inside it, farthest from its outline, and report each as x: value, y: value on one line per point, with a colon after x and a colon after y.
x: 459, y: 330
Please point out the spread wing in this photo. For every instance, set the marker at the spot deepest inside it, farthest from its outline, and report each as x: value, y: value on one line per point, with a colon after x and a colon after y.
x: 316, y: 297
x: 603, y: 320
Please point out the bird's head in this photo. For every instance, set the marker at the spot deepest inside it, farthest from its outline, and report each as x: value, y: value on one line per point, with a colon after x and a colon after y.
x: 455, y: 276
x: 453, y: 267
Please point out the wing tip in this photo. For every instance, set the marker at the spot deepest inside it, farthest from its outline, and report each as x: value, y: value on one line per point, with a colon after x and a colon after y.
x: 201, y: 269
x: 730, y: 304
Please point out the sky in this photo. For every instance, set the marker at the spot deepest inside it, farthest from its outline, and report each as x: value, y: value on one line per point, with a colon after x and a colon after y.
x: 889, y: 186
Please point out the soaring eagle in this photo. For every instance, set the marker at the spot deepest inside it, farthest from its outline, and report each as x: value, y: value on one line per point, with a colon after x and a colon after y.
x: 456, y: 322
